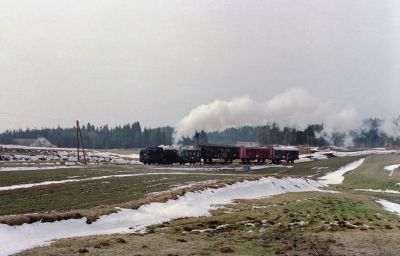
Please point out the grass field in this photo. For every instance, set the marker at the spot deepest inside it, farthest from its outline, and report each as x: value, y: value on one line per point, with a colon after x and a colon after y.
x: 311, y: 223
x: 88, y: 198
x: 114, y: 191
x: 24, y: 177
x: 291, y: 224
x: 372, y: 175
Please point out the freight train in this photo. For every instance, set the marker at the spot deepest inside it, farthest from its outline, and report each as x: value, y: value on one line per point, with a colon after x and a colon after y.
x: 210, y: 153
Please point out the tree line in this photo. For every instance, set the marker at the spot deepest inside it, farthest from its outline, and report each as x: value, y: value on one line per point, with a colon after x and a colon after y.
x: 370, y: 134
x: 265, y: 135
x: 102, y: 137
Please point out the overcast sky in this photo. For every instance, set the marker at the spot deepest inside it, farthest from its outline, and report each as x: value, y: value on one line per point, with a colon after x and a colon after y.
x: 114, y: 62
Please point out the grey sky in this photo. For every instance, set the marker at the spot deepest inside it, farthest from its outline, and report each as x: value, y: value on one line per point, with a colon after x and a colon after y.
x: 119, y: 61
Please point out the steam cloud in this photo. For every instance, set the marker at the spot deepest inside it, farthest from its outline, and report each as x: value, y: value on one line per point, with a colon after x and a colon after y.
x: 392, y: 127
x: 295, y: 107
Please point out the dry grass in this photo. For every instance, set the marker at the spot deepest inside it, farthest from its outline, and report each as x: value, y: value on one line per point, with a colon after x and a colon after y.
x: 92, y: 214
x: 360, y: 243
x: 258, y: 227
x: 92, y: 199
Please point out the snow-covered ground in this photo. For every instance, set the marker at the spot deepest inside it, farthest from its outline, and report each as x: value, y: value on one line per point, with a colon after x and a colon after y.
x: 389, y: 206
x: 32, y: 148
x: 18, y: 154
x: 32, y: 168
x: 321, y: 155
x: 377, y: 151
x: 17, y: 238
x: 337, y: 177
x: 193, y: 204
x: 74, y: 179
x: 379, y: 190
x: 303, y: 159
x: 130, y: 156
x: 391, y: 168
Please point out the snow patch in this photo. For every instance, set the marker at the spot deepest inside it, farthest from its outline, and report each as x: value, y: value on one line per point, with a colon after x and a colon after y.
x: 389, y: 206
x: 379, y: 190
x: 20, y: 154
x: 193, y: 204
x: 337, y: 177
x: 69, y: 180
x: 303, y: 160
x: 33, y: 168
x: 391, y: 168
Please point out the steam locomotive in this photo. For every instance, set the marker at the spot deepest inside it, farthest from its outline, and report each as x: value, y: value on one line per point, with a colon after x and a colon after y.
x: 158, y: 155
x: 210, y: 153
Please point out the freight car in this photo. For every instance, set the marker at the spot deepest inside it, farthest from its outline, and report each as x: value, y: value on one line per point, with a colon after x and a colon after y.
x: 281, y: 153
x: 191, y: 156
x: 253, y: 154
x: 158, y: 155
x: 226, y: 153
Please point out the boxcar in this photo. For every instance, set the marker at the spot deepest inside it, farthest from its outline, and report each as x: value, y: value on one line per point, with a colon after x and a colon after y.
x: 288, y: 154
x: 190, y: 156
x: 254, y: 154
x: 226, y: 153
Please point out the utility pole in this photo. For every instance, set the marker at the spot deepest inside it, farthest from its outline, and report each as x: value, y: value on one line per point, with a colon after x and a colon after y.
x: 79, y: 142
x: 77, y: 138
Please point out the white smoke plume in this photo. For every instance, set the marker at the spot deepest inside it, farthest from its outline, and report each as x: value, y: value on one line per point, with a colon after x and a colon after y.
x: 392, y: 126
x: 295, y: 107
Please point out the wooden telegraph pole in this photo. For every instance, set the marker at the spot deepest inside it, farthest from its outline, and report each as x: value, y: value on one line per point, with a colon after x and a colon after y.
x: 79, y: 142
